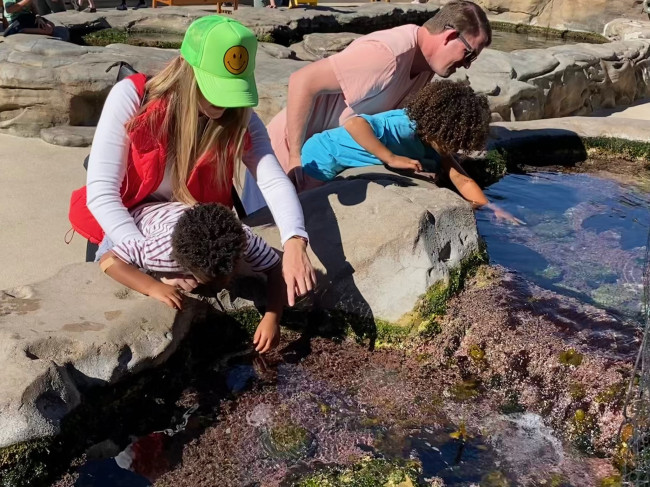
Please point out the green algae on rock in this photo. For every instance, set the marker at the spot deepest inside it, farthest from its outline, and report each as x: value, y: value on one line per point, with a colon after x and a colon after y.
x: 580, y: 36
x: 367, y: 473
x: 434, y: 301
x: 584, y: 431
x: 25, y: 463
x: 288, y: 442
x: 570, y: 357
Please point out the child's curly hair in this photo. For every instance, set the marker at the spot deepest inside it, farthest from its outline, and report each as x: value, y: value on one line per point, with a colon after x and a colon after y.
x: 451, y: 115
x: 208, y: 240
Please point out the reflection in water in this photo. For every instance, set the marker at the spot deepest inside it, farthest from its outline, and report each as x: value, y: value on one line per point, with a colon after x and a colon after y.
x: 584, y: 236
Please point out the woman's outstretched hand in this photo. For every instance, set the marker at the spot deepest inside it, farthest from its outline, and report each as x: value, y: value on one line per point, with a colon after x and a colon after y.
x: 297, y: 270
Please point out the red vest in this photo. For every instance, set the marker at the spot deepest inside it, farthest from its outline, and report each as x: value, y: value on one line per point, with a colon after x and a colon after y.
x: 145, y: 170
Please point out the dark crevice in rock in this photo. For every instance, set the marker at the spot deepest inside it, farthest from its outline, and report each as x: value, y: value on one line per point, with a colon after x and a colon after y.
x: 31, y: 356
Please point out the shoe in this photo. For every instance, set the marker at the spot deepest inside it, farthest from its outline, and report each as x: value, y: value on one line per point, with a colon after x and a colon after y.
x: 121, y: 7
x: 13, y: 28
x: 92, y: 10
x: 140, y: 5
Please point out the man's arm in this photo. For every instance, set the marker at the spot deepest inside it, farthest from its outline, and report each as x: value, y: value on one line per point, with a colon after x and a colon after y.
x: 361, y: 131
x: 304, y: 86
x: 131, y: 277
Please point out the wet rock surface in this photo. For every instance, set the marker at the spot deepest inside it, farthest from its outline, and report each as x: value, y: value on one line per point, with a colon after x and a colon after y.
x: 491, y: 396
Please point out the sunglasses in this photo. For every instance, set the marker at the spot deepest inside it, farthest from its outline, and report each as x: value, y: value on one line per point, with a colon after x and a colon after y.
x: 470, y: 52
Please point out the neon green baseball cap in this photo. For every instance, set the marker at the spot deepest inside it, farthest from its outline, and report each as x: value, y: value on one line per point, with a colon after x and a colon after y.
x: 222, y: 53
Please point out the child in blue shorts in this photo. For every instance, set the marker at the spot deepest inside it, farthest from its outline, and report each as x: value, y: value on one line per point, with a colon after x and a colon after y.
x: 443, y: 118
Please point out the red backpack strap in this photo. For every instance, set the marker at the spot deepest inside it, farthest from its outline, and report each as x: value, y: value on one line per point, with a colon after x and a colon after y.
x: 140, y: 81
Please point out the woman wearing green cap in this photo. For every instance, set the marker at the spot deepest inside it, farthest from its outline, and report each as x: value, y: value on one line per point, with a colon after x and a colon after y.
x: 179, y: 136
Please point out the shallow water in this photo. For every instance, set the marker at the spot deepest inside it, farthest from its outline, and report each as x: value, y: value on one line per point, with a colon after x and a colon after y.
x: 584, y: 236
x: 510, y: 41
x: 339, y: 426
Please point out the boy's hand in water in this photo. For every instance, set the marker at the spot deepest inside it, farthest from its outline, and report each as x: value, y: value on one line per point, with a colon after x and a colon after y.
x: 166, y: 294
x: 501, y: 214
x: 267, y: 335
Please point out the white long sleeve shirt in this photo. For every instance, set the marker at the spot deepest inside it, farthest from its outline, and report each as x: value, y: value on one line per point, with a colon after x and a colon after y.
x: 108, y: 160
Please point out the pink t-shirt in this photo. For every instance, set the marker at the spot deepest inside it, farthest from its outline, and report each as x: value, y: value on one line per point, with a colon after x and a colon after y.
x: 375, y: 76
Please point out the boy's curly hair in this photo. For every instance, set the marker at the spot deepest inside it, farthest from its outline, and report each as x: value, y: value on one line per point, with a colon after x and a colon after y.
x: 208, y: 240
x: 451, y: 115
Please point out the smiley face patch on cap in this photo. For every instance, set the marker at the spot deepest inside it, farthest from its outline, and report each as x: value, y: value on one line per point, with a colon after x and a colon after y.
x: 222, y: 52
x: 236, y: 59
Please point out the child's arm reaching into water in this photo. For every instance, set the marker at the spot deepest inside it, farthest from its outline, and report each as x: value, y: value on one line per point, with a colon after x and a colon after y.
x: 471, y: 191
x: 267, y: 335
x: 361, y: 131
x: 133, y: 278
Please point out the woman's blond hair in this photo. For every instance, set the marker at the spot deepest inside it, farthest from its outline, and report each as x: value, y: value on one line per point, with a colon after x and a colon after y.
x: 222, y: 140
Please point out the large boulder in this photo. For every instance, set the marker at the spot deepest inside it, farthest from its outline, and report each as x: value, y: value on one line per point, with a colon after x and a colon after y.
x: 380, y: 245
x: 377, y: 247
x: 318, y: 46
x: 72, y: 331
x: 560, y: 81
x: 46, y: 82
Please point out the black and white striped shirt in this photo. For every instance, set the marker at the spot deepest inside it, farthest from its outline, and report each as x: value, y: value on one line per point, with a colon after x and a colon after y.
x: 156, y: 221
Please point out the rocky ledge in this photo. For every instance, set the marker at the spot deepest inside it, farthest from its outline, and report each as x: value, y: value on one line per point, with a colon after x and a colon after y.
x: 80, y: 329
x: 48, y: 83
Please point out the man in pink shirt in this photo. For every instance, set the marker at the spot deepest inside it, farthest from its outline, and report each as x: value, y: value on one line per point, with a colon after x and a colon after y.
x: 376, y: 73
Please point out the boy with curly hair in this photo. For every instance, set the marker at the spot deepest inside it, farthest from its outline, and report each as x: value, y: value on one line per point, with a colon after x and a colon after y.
x: 442, y: 118
x: 205, y: 241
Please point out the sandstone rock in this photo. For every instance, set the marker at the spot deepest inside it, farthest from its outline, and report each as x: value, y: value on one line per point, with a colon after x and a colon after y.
x: 275, y: 50
x: 528, y: 63
x: 384, y: 256
x: 75, y: 330
x: 622, y: 128
x: 69, y: 136
x: 35, y: 68
x: 318, y: 46
x: 46, y: 82
x: 585, y: 15
x: 559, y: 81
x: 626, y: 29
